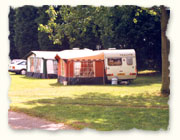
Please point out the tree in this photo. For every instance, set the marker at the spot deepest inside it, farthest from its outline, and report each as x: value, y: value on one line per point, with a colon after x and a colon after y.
x: 75, y: 26
x: 147, y: 37
x: 26, y: 33
x: 43, y: 39
x: 13, y: 49
x: 165, y: 48
x: 165, y: 52
x: 122, y: 27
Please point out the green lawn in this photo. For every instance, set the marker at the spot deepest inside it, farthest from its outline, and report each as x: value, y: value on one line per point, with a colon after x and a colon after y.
x: 121, y: 107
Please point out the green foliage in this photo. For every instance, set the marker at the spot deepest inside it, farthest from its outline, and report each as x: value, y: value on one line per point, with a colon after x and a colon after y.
x: 119, y: 27
x: 64, y: 27
x: 43, y: 39
x: 26, y: 34
x: 76, y: 26
x: 13, y: 49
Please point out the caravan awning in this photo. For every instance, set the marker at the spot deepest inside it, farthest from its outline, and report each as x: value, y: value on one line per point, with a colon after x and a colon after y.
x: 42, y: 54
x: 80, y: 55
x: 97, y: 57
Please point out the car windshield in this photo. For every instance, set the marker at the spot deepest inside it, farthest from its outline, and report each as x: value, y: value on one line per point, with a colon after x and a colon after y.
x: 16, y: 61
x: 13, y: 62
x: 22, y: 63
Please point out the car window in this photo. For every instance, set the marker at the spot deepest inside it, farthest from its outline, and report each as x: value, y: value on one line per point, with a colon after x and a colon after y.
x: 14, y: 62
x: 22, y: 63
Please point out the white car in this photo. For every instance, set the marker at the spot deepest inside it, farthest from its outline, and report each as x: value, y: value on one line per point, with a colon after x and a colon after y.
x: 18, y: 66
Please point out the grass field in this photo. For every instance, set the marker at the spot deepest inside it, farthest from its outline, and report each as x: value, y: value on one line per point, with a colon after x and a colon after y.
x: 103, y: 107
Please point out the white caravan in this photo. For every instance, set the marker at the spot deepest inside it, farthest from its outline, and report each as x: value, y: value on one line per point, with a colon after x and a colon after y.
x: 120, y: 64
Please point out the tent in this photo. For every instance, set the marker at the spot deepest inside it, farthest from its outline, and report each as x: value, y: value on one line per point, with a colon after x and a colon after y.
x: 80, y: 67
x: 41, y: 64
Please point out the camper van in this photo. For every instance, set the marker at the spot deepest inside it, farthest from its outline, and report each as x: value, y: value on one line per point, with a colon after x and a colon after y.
x: 120, y: 64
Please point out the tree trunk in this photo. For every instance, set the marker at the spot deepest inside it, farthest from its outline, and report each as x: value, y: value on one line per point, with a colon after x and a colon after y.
x: 165, y: 47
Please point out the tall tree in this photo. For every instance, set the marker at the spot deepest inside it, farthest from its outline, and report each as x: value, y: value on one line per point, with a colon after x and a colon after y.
x: 75, y: 26
x: 13, y: 49
x: 165, y: 90
x: 147, y: 37
x: 26, y: 33
x: 44, y: 43
x: 87, y: 26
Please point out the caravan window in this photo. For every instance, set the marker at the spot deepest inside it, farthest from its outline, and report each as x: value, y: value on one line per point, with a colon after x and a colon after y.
x: 55, y: 64
x: 114, y: 61
x: 77, y: 68
x: 37, y: 65
x: 31, y: 64
x: 129, y: 60
x: 50, y: 66
x: 84, y: 69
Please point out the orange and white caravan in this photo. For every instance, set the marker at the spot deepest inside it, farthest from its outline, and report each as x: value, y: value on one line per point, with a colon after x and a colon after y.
x: 120, y: 64
x: 80, y: 66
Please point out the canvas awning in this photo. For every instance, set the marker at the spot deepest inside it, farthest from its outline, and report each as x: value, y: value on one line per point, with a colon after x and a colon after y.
x: 93, y: 57
x: 80, y: 55
x: 42, y: 54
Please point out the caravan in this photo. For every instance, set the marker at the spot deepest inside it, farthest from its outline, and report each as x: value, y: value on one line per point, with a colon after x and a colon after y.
x: 41, y: 64
x: 120, y: 64
x: 96, y: 67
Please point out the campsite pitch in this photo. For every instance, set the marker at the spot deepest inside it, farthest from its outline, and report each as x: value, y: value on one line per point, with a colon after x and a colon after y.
x: 100, y: 107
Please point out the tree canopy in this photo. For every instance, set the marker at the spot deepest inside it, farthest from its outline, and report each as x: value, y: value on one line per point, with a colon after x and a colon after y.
x: 121, y: 27
x: 26, y: 38
x: 13, y: 49
x: 65, y: 27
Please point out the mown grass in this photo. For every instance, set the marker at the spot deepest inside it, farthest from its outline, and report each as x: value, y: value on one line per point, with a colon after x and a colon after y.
x: 102, y: 107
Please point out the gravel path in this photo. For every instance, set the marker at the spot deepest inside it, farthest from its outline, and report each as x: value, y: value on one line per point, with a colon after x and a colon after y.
x: 23, y: 121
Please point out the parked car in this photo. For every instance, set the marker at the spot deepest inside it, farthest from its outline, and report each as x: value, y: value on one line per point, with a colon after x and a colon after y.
x: 18, y: 66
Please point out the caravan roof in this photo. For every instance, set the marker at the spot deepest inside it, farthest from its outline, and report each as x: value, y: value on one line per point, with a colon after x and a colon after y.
x: 80, y: 55
x: 43, y: 54
x: 118, y: 52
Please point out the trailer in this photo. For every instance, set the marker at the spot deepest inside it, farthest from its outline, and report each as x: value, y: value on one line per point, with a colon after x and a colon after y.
x: 120, y: 64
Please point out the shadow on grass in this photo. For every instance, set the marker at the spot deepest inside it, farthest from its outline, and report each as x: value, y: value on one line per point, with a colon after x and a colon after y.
x: 23, y: 76
x: 139, y: 81
x: 106, y: 99
x: 34, y: 78
x: 142, y: 80
x: 103, y: 111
